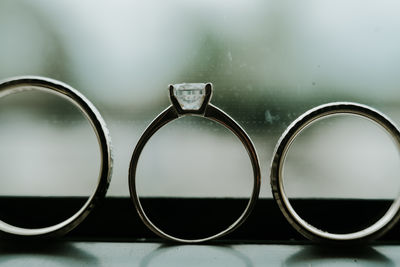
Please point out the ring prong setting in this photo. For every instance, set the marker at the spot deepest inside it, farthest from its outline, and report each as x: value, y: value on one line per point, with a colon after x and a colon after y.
x: 190, y: 97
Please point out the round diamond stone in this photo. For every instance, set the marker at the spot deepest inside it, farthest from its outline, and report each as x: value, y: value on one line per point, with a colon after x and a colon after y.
x: 190, y: 96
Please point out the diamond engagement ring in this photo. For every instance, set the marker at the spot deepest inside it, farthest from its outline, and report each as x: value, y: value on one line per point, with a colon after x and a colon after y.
x: 193, y: 99
x: 26, y: 83
x: 373, y: 231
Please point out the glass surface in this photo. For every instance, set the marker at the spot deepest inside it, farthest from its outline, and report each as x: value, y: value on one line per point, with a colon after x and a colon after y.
x: 269, y: 62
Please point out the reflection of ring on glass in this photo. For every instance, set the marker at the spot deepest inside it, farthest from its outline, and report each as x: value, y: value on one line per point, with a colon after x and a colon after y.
x: 20, y: 84
x: 378, y: 228
x: 193, y: 99
x: 220, y: 255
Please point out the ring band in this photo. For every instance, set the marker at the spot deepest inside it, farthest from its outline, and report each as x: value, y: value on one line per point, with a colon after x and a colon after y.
x: 26, y: 83
x: 375, y: 230
x: 193, y: 99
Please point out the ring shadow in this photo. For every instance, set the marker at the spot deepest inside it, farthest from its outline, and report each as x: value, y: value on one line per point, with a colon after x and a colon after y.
x: 53, y: 250
x: 313, y: 255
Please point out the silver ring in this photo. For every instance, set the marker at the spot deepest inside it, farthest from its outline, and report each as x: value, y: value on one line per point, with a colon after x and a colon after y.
x: 372, y: 232
x: 25, y: 83
x: 193, y: 99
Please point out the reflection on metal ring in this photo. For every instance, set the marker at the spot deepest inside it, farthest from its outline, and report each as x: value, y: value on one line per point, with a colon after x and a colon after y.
x: 26, y: 83
x: 373, y: 231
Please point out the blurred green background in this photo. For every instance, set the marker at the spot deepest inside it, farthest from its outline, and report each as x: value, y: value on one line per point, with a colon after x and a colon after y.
x: 269, y: 61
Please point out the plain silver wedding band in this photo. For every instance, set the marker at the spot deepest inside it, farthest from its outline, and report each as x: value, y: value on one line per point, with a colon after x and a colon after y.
x: 372, y: 232
x: 25, y: 83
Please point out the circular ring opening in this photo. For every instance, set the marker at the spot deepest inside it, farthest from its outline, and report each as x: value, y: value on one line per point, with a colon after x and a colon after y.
x: 147, y: 217
x: 28, y: 83
x: 374, y: 230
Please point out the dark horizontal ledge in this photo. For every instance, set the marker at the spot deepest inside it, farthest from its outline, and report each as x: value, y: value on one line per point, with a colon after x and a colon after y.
x: 115, y: 218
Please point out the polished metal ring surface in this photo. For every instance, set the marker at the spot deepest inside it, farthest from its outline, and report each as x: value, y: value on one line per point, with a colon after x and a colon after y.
x: 27, y: 83
x: 193, y: 99
x: 372, y: 232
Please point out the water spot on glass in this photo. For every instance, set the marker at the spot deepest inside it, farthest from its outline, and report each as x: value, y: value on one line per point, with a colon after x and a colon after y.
x: 269, y: 118
x: 230, y: 56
